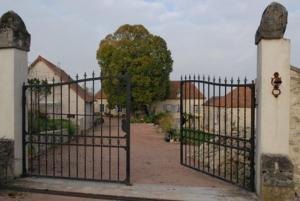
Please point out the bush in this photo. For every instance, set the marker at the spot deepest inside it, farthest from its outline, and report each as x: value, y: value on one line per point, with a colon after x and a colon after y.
x: 195, y: 137
x: 166, y: 122
x: 98, y: 121
x: 157, y: 117
x: 39, y: 122
x: 175, y: 134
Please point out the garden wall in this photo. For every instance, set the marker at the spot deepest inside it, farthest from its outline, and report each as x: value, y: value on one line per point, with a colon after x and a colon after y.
x: 6, y: 160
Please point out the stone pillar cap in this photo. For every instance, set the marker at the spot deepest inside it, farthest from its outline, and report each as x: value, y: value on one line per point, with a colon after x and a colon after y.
x: 13, y: 32
x: 273, y: 23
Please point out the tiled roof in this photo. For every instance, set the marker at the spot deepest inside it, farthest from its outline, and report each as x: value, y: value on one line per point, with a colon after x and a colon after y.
x: 190, y: 88
x: 64, y: 77
x: 241, y: 97
x: 190, y: 91
x: 100, y: 95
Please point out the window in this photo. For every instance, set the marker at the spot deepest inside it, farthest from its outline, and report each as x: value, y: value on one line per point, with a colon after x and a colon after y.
x: 170, y: 108
x: 196, y: 108
x: 101, y: 106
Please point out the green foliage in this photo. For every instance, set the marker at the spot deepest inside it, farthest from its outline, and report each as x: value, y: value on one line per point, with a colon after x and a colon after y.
x: 151, y: 118
x: 40, y: 123
x: 144, y: 56
x: 136, y: 120
x: 175, y: 134
x: 195, y: 137
x: 40, y: 88
x: 166, y: 122
x: 157, y: 117
x: 98, y: 119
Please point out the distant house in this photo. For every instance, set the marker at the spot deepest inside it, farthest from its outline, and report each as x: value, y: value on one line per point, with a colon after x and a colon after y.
x: 101, y: 105
x: 171, y: 104
x: 77, y: 106
x: 230, y: 113
x: 192, y: 96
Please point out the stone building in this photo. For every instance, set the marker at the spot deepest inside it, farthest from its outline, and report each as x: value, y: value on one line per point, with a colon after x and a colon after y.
x: 191, y: 95
x: 230, y: 113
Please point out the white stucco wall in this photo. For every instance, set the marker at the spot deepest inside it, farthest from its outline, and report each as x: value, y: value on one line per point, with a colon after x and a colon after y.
x: 188, y: 107
x: 77, y: 103
x: 13, y: 63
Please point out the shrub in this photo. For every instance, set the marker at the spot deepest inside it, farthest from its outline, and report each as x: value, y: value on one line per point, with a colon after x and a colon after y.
x: 39, y: 122
x: 175, y: 134
x: 195, y: 137
x: 166, y: 122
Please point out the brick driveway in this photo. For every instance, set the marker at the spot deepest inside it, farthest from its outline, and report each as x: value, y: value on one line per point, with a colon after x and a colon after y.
x: 155, y: 161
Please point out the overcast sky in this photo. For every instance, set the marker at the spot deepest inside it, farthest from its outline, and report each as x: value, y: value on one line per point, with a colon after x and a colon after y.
x: 211, y: 37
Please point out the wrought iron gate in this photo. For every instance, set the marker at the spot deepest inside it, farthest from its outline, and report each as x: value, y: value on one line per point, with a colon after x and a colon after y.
x: 217, y: 128
x: 72, y: 129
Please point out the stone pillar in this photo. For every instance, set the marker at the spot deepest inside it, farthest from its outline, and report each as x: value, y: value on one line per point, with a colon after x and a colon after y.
x: 274, y: 170
x: 14, y: 45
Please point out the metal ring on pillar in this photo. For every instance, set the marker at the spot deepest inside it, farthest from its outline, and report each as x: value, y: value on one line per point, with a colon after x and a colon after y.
x: 276, y: 82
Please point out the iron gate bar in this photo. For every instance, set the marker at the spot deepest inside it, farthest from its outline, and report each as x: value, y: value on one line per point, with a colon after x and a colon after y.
x: 46, y: 100
x: 216, y: 135
x: 219, y: 107
x: 199, y: 123
x: 23, y: 127
x: 53, y: 118
x: 128, y: 114
x: 238, y: 129
x: 231, y: 141
x: 225, y: 125
x: 69, y: 127
x: 63, y: 144
x: 101, y: 130
x: 252, y: 153
x: 214, y: 129
x: 93, y: 120
x: 181, y: 121
x: 77, y: 133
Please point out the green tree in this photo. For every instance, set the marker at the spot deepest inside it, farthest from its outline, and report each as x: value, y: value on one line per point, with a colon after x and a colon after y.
x: 39, y: 89
x: 144, y: 56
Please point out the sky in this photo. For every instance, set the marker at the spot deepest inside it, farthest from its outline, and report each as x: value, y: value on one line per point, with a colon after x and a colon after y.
x: 206, y: 37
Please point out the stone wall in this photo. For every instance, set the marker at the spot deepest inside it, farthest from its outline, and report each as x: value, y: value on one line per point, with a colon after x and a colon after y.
x: 6, y: 160
x: 295, y: 123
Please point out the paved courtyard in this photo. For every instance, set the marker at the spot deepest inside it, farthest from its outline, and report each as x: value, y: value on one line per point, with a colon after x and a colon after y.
x: 156, y: 175
x: 153, y: 161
